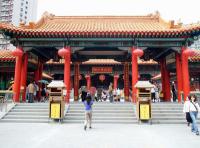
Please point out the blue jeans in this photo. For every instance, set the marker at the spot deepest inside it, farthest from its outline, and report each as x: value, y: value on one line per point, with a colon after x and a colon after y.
x: 194, y: 121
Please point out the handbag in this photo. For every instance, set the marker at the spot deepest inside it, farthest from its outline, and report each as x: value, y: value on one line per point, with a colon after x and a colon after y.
x: 188, y: 117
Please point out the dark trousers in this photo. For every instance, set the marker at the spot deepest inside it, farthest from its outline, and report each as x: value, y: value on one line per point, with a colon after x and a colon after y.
x: 153, y: 96
x: 174, y: 96
x: 30, y: 97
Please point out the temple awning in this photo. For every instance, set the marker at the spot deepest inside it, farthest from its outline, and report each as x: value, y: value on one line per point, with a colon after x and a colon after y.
x: 151, y: 26
x: 6, y: 56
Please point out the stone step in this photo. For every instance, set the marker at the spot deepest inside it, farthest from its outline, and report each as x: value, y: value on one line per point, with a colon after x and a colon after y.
x: 32, y: 104
x: 101, y: 114
x: 25, y: 117
x: 28, y: 113
x: 25, y: 120
x: 100, y: 118
x: 32, y: 107
x: 100, y: 107
x: 103, y: 121
x: 30, y: 110
x: 166, y: 111
x: 102, y: 111
x: 171, y: 122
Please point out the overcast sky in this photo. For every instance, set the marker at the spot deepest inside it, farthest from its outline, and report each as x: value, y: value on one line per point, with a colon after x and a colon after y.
x: 188, y: 11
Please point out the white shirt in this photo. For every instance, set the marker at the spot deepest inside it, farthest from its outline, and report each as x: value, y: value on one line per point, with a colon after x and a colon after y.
x: 186, y: 107
x: 152, y: 90
x: 192, y: 107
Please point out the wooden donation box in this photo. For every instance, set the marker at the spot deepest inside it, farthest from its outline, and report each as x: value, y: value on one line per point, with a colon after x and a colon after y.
x: 143, y: 105
x: 57, y: 94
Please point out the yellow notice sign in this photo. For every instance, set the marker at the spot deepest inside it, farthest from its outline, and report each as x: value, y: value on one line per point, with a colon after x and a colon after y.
x: 55, y: 111
x: 144, y: 112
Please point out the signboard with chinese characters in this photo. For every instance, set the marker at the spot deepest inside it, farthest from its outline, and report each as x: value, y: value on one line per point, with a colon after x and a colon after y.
x: 102, y: 70
x: 144, y: 112
x: 55, y: 110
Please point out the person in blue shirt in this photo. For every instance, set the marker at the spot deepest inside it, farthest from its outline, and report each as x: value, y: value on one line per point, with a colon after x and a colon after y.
x: 88, y: 111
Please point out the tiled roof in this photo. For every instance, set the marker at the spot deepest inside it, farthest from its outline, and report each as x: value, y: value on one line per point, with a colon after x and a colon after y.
x: 102, y: 26
x: 6, y: 55
x: 195, y: 57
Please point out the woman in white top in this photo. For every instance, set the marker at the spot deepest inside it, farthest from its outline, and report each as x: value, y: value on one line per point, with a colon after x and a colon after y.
x: 193, y: 109
x: 186, y: 110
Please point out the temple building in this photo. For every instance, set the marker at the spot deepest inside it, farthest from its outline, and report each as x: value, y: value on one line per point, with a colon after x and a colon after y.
x: 90, y: 50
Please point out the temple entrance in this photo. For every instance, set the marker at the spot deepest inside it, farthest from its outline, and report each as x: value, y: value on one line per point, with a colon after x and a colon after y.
x: 101, y: 80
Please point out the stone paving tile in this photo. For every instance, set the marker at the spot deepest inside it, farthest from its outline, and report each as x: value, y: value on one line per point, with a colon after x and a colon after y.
x: 13, y: 135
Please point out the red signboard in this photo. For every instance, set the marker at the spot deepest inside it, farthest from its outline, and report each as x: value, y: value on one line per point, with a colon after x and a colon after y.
x: 101, y: 69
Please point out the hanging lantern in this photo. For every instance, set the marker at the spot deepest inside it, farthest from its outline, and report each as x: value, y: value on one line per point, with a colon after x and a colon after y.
x: 102, y: 77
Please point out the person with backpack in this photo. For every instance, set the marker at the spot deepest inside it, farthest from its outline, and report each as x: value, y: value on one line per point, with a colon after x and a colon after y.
x: 88, y: 111
x: 186, y: 110
x: 194, y: 108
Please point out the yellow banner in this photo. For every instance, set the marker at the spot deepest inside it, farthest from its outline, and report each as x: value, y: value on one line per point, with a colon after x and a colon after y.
x: 55, y: 110
x: 144, y: 112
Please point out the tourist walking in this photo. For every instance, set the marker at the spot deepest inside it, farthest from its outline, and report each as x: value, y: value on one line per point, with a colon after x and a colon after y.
x: 194, y: 108
x: 88, y: 111
x: 36, y: 90
x: 186, y: 110
x: 83, y: 95
x: 31, y: 90
x: 43, y: 94
x: 110, y: 92
x: 174, y: 92
x: 153, y: 94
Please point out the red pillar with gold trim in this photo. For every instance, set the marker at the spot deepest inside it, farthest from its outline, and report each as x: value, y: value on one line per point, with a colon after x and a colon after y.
x: 88, y: 79
x: 18, y: 53
x: 116, y: 77
x: 179, y: 76
x: 24, y: 76
x: 185, y: 71
x: 165, y: 81
x: 162, y: 77
x: 126, y: 81
x: 40, y: 70
x: 76, y: 81
x: 66, y: 53
x: 135, y: 54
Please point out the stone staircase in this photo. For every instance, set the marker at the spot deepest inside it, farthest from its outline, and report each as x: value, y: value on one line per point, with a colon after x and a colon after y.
x: 102, y: 113
x: 168, y: 113
x: 27, y: 113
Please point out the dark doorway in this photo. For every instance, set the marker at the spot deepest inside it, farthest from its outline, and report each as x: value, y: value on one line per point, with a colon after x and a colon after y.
x: 96, y: 82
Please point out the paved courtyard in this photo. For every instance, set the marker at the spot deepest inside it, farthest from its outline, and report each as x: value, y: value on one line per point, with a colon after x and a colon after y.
x: 16, y: 135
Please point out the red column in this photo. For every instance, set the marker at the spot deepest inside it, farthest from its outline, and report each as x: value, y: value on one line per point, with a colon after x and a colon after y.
x: 126, y: 81
x: 135, y: 54
x: 88, y: 79
x: 162, y: 78
x: 185, y: 72
x: 116, y: 77
x: 66, y: 53
x: 179, y: 76
x: 76, y: 81
x: 18, y: 53
x: 40, y: 70
x: 166, y: 79
x: 24, y: 76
